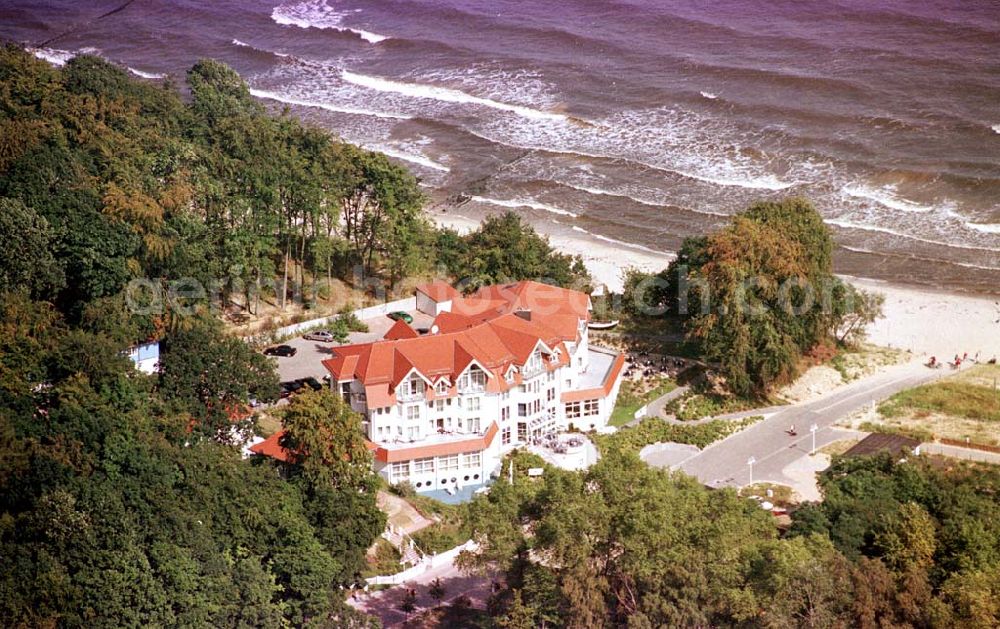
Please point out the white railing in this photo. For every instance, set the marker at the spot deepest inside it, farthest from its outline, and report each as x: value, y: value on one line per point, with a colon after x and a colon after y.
x: 428, y: 562
x: 409, y: 303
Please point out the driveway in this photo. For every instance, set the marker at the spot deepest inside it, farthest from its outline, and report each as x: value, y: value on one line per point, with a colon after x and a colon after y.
x: 725, y: 462
x: 308, y: 360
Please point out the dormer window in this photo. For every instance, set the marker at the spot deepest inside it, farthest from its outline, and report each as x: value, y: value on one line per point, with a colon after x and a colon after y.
x: 533, y: 365
x: 411, y: 388
x: 510, y: 374
x: 441, y: 388
x: 473, y: 380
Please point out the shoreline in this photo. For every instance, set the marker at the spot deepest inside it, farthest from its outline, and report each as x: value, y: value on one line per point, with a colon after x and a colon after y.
x: 925, y: 321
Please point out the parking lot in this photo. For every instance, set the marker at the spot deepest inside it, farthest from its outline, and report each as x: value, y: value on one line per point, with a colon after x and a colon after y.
x: 310, y: 354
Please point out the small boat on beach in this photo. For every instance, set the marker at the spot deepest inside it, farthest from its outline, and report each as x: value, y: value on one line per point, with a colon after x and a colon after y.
x: 602, y: 325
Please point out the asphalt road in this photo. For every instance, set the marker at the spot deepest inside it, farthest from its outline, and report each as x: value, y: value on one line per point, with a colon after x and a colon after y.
x: 725, y: 463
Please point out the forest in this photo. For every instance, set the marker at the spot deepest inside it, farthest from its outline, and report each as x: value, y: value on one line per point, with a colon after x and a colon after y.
x: 124, y: 499
x: 893, y: 544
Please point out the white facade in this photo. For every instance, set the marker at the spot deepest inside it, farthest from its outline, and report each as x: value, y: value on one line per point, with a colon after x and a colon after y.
x: 439, y: 434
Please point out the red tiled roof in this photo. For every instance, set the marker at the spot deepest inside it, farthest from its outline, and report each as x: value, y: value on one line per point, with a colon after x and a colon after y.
x: 271, y: 447
x: 400, y: 330
x: 599, y: 392
x: 387, y: 455
x: 504, y: 333
x: 438, y: 290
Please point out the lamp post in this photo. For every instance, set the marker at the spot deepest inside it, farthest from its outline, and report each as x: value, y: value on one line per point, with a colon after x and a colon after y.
x: 813, y: 430
x: 750, y: 462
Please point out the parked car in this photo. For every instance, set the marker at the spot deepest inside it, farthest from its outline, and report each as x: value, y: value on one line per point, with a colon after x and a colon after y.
x: 324, y: 336
x: 399, y: 315
x: 288, y: 388
x: 280, y: 350
x: 298, y: 385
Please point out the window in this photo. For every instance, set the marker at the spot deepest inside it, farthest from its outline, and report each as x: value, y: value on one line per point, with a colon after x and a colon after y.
x: 423, y: 466
x: 522, y: 431
x: 440, y: 406
x: 413, y: 412
x: 441, y: 388
x: 572, y: 410
x: 400, y: 471
x: 474, y: 459
x: 505, y: 436
x: 474, y: 403
x: 591, y: 408
x: 410, y: 388
x: 504, y: 413
x: 446, y: 463
x: 473, y: 380
x: 533, y: 364
x: 522, y: 409
x: 413, y: 433
x: 550, y: 395
x: 474, y: 425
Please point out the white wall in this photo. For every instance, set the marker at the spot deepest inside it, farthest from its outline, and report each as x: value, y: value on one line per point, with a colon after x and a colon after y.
x: 409, y: 303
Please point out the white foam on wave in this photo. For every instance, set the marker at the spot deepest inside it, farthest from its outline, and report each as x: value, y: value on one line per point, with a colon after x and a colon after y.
x: 146, y: 75
x: 709, y: 95
x: 620, y: 243
x: 291, y: 100
x: 674, y: 152
x: 422, y: 160
x: 445, y: 94
x: 243, y: 44
x: 892, y: 232
x: 53, y: 55
x: 968, y: 265
x: 987, y: 228
x: 886, y: 196
x: 516, y: 203
x: 318, y: 14
x: 622, y: 195
x: 59, y: 58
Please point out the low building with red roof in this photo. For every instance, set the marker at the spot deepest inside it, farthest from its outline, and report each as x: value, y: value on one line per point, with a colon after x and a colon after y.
x: 496, y: 369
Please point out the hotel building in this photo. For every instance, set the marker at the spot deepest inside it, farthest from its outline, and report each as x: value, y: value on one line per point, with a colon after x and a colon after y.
x: 494, y: 370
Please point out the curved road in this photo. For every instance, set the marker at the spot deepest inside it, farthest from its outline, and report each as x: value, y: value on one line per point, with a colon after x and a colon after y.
x: 725, y: 463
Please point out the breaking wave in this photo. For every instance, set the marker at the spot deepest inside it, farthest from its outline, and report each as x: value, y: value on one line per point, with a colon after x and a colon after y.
x: 516, y: 203
x: 291, y: 100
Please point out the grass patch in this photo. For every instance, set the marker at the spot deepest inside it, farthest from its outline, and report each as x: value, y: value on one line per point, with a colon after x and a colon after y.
x: 383, y: 559
x: 693, y: 405
x: 450, y: 526
x: 956, y: 398
x: 633, y: 395
x: 653, y: 430
x: 903, y: 431
x: 267, y: 424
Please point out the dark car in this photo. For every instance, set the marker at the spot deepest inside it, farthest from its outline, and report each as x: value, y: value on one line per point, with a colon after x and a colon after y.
x: 280, y: 350
x: 400, y: 316
x: 297, y: 386
x: 311, y: 382
x: 288, y: 388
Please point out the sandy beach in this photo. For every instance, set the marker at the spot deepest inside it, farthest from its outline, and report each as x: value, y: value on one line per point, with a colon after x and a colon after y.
x: 926, y: 322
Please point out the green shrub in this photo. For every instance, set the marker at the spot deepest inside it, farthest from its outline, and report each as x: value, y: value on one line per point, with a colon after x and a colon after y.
x: 654, y: 430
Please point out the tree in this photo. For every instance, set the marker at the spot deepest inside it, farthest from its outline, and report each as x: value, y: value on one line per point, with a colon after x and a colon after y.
x: 327, y: 438
x: 506, y: 249
x: 437, y: 590
x: 409, y: 602
x: 26, y: 243
x: 213, y: 377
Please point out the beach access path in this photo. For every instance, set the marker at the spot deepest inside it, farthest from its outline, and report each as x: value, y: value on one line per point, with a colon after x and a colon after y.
x: 725, y: 463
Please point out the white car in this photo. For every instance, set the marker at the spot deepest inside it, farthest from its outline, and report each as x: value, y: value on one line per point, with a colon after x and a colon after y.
x: 320, y: 335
